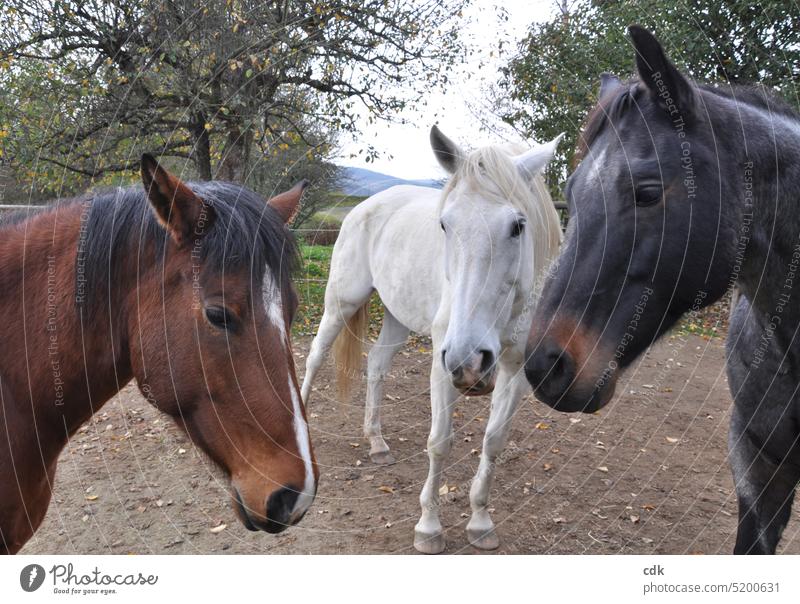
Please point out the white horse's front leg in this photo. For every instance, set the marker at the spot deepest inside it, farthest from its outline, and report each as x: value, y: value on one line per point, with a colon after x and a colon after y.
x: 428, y: 536
x: 510, y: 388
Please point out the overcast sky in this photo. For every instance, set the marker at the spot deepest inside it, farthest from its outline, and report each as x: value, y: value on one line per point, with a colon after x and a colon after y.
x: 404, y: 148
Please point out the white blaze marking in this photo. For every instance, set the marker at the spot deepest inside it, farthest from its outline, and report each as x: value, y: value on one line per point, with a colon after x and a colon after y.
x: 597, y: 163
x: 304, y: 445
x: 273, y: 305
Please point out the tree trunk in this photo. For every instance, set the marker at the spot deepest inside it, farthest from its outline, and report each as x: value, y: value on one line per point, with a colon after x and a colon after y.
x: 202, y: 148
x: 236, y: 157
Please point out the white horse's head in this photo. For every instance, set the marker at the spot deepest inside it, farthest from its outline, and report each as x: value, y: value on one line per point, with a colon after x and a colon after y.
x: 501, y: 230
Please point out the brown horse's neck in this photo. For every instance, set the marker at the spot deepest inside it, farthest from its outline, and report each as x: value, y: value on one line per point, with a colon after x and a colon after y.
x: 55, y: 372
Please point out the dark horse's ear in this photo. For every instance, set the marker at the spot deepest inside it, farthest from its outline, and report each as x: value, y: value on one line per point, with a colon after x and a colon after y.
x: 447, y: 152
x: 656, y: 72
x: 287, y: 204
x: 609, y: 83
x: 179, y: 210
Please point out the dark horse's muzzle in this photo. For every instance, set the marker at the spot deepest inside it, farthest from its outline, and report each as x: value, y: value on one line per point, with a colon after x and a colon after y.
x: 565, y: 381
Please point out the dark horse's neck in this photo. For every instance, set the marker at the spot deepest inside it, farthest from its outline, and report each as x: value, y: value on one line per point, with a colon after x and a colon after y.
x: 766, y: 145
x: 56, y: 372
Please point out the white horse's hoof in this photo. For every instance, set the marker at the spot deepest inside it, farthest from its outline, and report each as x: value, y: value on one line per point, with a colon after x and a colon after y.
x: 428, y: 544
x: 483, y: 539
x: 382, y: 458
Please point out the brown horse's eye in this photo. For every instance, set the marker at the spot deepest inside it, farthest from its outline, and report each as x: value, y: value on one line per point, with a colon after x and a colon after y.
x: 221, y: 318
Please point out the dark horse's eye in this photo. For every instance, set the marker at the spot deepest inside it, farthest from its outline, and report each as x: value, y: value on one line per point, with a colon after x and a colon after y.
x: 648, y: 196
x: 518, y: 227
x: 221, y: 318
x: 441, y: 224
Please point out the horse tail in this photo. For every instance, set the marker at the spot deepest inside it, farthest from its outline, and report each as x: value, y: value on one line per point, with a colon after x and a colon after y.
x: 347, y: 351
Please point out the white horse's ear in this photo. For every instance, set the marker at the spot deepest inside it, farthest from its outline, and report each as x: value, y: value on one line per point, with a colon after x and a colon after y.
x: 536, y: 159
x: 447, y: 153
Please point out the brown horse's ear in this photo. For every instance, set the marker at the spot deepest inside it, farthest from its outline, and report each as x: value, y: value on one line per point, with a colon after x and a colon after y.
x: 659, y: 75
x: 287, y: 204
x: 179, y: 210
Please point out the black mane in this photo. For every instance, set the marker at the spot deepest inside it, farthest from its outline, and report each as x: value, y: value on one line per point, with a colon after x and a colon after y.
x: 614, y: 105
x: 119, y: 225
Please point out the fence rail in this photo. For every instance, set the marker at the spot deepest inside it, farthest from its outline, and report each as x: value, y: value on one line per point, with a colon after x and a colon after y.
x: 559, y: 205
x: 11, y: 207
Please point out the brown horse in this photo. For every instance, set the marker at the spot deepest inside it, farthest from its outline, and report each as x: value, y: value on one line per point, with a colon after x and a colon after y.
x: 191, y: 295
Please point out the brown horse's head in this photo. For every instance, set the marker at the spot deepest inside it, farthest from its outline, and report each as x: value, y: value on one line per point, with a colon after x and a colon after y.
x: 209, y: 336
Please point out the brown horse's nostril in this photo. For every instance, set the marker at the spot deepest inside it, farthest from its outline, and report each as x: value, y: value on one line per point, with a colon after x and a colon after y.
x: 246, y: 521
x: 551, y: 371
x: 279, y: 509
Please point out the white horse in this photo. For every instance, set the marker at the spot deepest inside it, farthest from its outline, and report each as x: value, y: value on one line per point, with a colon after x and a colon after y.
x: 462, y: 265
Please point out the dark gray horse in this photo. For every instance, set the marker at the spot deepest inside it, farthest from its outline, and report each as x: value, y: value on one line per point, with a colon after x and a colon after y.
x: 682, y: 191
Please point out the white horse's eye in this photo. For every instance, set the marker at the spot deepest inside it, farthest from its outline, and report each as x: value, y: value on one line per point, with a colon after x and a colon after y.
x: 517, y: 228
x: 441, y: 224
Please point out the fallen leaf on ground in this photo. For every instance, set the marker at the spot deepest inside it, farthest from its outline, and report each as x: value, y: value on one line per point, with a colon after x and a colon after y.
x: 386, y: 489
x: 219, y: 528
x: 602, y: 468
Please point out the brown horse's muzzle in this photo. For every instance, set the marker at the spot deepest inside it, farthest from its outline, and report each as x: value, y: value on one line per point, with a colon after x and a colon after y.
x: 279, y: 512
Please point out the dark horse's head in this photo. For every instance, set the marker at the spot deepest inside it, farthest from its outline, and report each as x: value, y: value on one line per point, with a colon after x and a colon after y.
x: 208, y: 327
x: 652, y: 233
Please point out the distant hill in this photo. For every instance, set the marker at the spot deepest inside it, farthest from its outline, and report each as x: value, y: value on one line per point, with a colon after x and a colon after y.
x: 360, y: 181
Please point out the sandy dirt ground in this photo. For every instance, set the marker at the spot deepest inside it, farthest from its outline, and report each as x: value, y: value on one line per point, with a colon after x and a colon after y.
x: 648, y: 474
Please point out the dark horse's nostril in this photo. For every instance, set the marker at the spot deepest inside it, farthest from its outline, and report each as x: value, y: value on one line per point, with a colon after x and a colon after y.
x: 558, y: 365
x: 279, y: 509
x: 550, y: 370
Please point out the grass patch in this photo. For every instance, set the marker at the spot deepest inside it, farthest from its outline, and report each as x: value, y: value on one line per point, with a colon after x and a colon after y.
x: 709, y: 322
x: 310, y: 284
